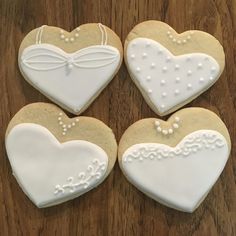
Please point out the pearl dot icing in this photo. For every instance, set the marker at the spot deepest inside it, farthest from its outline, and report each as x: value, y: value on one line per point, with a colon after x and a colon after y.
x: 65, y: 127
x: 170, y: 130
x: 70, y: 39
x: 180, y: 40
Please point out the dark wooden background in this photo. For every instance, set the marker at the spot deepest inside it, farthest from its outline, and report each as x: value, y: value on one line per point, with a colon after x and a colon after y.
x: 116, y: 207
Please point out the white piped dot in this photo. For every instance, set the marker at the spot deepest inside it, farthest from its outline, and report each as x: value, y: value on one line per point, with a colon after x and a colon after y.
x: 61, y: 31
x: 77, y: 119
x: 173, y: 40
x: 65, y: 129
x: 132, y: 56
x: 72, y: 39
x: 163, y: 82
x: 68, y: 126
x: 63, y: 133
x: 159, y: 129
x: 168, y: 32
x: 163, y: 94
x: 168, y: 58
x: 164, y: 131
x: 62, y: 36
x: 170, y: 36
x: 177, y: 119
x: 66, y: 39
x: 144, y: 55
x: 70, y: 66
x: 188, y: 37
x: 176, y: 67
x: 184, y: 41
x: 157, y: 123
x: 177, y: 79
x: 138, y: 69
x: 148, y: 44
x: 176, y: 92
x: 170, y: 131
x: 148, y: 78
x: 201, y: 79
x: 211, y: 78
x: 149, y: 91
x: 199, y: 65
x: 179, y: 42
x: 153, y: 65
x: 78, y: 29
x: 60, y: 114
x: 64, y: 126
x: 60, y: 123
x: 162, y: 106
x: 213, y: 69
x: 164, y: 68
x: 73, y: 124
x: 76, y: 35
x: 189, y: 86
x: 189, y: 72
x: 175, y: 126
x: 59, y: 118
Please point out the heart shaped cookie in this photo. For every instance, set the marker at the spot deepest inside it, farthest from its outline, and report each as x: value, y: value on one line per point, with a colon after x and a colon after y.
x: 172, y: 69
x: 55, y: 158
x: 70, y: 68
x: 176, y: 162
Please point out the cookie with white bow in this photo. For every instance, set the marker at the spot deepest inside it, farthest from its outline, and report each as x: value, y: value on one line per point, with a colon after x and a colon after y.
x: 55, y: 158
x: 70, y: 68
x: 176, y: 162
x: 172, y: 69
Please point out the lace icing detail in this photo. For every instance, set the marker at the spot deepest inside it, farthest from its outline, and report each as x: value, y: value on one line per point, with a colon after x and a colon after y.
x: 190, y: 144
x: 93, y: 171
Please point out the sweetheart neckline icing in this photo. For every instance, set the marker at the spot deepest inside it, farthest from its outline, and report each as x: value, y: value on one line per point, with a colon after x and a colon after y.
x: 51, y: 46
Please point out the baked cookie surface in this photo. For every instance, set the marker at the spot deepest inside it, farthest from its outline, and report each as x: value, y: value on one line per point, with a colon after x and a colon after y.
x: 70, y: 68
x: 172, y: 69
x: 55, y: 158
x: 176, y: 162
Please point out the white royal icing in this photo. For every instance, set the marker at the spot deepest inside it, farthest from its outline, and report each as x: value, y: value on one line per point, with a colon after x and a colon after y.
x: 50, y: 172
x: 169, y: 80
x: 70, y: 79
x: 179, y: 177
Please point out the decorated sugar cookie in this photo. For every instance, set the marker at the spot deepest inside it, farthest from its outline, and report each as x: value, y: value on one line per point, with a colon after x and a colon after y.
x: 70, y: 68
x: 176, y: 162
x: 172, y: 69
x: 55, y: 158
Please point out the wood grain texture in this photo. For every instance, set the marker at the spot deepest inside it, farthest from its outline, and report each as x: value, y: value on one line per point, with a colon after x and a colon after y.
x: 116, y: 207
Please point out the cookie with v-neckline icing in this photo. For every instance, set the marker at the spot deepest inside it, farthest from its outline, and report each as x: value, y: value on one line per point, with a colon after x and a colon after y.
x: 172, y: 69
x: 70, y: 68
x: 55, y: 158
x: 176, y: 162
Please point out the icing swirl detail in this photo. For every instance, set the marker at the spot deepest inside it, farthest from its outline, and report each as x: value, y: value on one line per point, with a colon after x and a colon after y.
x: 192, y: 143
x: 95, y: 170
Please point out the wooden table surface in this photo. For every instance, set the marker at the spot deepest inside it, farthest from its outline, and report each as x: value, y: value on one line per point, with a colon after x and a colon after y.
x: 116, y: 207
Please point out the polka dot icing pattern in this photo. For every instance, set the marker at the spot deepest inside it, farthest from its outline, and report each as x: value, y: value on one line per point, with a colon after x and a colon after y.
x: 169, y: 80
x: 94, y: 171
x: 170, y: 130
x: 179, y: 177
x: 43, y: 169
